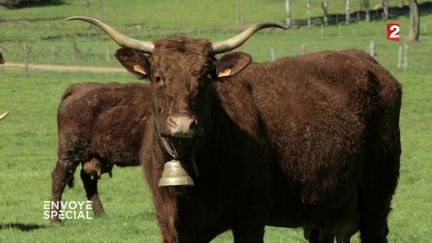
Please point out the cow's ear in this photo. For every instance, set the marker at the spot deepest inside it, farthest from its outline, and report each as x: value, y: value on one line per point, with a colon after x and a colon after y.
x: 134, y: 61
x: 232, y: 63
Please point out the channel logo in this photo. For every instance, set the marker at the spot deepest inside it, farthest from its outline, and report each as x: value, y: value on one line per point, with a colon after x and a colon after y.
x: 393, y: 31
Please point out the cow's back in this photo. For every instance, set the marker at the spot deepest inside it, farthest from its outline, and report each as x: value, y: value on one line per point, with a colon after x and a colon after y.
x: 106, y: 120
x: 315, y: 115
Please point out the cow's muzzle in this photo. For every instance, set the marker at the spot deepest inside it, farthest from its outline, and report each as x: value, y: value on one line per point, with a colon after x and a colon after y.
x: 179, y: 127
x: 178, y: 134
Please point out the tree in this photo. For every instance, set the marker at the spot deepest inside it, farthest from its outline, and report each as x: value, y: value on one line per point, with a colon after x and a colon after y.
x: 366, y: 4
x: 414, y: 32
x: 324, y: 6
x: 21, y: 3
x: 385, y: 9
x: 347, y: 12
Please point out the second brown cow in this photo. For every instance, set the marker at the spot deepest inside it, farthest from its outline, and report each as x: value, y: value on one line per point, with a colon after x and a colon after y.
x: 99, y: 125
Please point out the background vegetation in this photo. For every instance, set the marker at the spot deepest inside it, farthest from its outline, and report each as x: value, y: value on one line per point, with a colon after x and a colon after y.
x: 28, y: 141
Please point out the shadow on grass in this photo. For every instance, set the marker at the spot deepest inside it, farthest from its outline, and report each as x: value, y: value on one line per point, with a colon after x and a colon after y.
x: 22, y: 227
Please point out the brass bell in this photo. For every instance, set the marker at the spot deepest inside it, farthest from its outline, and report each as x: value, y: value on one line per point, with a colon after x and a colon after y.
x: 174, y: 174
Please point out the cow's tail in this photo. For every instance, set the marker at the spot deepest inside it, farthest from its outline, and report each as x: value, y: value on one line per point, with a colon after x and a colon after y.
x: 382, y: 162
x: 71, y: 179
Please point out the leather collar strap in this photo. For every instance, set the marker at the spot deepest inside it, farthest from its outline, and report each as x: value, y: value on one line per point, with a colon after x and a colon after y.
x: 167, y: 147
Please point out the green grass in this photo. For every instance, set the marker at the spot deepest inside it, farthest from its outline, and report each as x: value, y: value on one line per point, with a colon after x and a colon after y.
x: 52, y: 39
x: 29, y: 138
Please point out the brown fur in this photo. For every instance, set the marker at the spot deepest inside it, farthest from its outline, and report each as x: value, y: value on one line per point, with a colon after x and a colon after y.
x: 2, y: 61
x: 99, y: 125
x: 311, y: 141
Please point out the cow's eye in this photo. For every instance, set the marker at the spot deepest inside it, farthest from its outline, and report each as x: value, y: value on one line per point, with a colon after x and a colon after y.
x: 157, y: 78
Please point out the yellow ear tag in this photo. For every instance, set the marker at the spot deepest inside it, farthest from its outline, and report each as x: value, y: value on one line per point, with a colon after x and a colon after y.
x: 139, y: 69
x: 224, y: 73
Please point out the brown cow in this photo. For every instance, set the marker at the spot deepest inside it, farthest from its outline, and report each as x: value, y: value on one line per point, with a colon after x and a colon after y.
x: 99, y: 125
x: 310, y: 141
x: 2, y: 61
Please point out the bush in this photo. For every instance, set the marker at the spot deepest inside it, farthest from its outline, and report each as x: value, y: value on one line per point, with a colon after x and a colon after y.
x: 22, y: 3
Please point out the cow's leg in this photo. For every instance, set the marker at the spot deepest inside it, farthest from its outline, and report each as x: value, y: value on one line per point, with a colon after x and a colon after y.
x: 248, y: 232
x: 90, y: 186
x: 249, y: 219
x: 61, y: 175
x: 317, y: 236
x: 375, y: 198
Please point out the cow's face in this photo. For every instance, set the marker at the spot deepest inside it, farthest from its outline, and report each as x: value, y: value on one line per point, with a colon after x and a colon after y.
x: 180, y: 71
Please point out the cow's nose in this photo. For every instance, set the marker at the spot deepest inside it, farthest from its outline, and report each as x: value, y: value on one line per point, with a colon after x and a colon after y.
x: 180, y: 126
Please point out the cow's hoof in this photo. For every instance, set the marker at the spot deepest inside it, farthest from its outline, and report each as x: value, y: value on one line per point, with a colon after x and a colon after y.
x: 55, y: 221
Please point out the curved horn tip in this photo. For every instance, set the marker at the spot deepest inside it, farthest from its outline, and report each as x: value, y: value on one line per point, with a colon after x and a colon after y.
x: 275, y: 25
x: 84, y: 18
x: 4, y: 115
x: 240, y: 39
x: 119, y: 38
x: 72, y: 17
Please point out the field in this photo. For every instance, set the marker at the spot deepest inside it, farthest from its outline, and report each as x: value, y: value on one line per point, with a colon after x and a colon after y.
x: 28, y: 143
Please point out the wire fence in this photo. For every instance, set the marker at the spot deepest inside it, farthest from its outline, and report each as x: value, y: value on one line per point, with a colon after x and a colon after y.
x: 80, y: 48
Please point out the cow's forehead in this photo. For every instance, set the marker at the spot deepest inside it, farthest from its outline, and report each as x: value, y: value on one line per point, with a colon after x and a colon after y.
x: 182, y: 54
x: 183, y: 45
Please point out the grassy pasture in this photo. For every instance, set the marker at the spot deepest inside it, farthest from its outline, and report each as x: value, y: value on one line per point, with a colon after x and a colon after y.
x: 29, y: 143
x: 51, y: 39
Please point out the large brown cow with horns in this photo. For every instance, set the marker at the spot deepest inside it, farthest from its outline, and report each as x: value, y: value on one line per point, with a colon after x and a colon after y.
x: 310, y: 141
x: 99, y: 125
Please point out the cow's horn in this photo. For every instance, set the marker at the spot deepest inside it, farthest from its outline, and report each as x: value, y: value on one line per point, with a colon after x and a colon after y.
x: 4, y: 115
x: 240, y: 39
x: 119, y: 38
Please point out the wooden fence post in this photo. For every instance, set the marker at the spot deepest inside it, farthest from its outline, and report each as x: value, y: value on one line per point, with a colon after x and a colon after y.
x: 347, y: 12
x: 399, y: 65
x: 107, y: 54
x: 372, y: 50
x: 238, y: 12
x: 53, y: 53
x: 308, y: 6
x: 385, y: 9
x: 272, y: 54
x: 26, y: 59
x: 288, y: 13
x: 324, y: 6
x: 367, y: 10
x: 405, y: 65
x: 304, y: 49
x: 77, y: 51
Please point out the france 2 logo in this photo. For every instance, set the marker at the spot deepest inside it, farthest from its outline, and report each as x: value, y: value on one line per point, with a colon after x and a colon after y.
x: 393, y: 31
